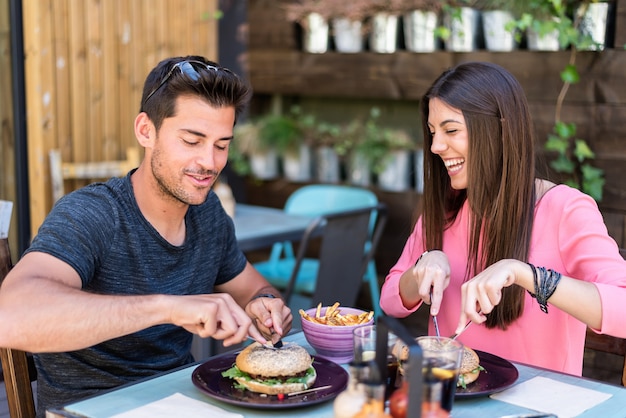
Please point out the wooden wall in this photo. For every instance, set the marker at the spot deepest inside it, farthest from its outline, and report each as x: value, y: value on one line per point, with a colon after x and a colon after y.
x: 396, y: 81
x: 7, y: 140
x: 86, y: 61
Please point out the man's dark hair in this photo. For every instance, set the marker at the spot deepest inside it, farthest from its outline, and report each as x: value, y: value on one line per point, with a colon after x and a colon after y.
x: 218, y: 86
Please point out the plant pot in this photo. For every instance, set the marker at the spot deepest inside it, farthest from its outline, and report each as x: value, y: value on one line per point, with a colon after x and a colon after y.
x: 348, y: 35
x: 315, y: 34
x: 360, y: 172
x: 546, y: 42
x: 384, y: 34
x: 419, y: 171
x: 327, y: 165
x: 264, y: 166
x: 465, y: 30
x: 396, y: 175
x: 594, y: 24
x: 419, y: 31
x: 497, y: 38
x: 297, y: 167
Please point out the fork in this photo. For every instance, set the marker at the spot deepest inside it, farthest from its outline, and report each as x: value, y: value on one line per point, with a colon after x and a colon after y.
x: 454, y: 336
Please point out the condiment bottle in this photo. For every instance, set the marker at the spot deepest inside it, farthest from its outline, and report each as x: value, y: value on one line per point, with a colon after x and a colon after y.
x: 431, y: 398
x: 349, y: 402
x: 374, y: 406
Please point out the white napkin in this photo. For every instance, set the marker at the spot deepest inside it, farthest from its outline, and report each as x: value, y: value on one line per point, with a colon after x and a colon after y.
x: 178, y: 405
x: 548, y: 395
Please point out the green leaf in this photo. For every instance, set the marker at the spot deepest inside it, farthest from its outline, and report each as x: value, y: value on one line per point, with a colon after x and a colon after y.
x: 565, y: 130
x: 562, y: 165
x: 555, y: 143
x: 582, y: 150
x: 591, y: 173
x: 570, y: 74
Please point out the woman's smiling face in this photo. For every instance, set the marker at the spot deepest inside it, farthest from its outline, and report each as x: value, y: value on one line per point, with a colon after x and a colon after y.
x: 449, y: 140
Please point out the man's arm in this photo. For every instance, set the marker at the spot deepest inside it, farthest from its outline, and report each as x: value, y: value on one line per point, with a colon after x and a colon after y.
x: 43, y: 309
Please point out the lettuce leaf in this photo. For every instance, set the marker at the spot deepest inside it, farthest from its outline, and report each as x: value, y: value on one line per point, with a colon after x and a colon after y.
x: 234, y: 372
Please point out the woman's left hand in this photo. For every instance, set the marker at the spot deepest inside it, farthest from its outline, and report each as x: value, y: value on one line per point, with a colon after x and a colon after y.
x: 483, y: 292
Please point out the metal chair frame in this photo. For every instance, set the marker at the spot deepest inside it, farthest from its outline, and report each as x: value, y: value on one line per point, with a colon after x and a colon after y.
x: 342, y: 261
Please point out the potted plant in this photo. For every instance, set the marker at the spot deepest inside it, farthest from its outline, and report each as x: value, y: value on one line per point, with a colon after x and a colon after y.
x: 347, y: 18
x: 313, y: 16
x: 386, y: 151
x: 420, y: 20
x: 327, y: 160
x: 462, y: 27
x: 262, y: 158
x: 498, y: 20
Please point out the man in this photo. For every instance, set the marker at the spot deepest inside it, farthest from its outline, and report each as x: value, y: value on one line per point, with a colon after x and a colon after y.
x: 121, y: 273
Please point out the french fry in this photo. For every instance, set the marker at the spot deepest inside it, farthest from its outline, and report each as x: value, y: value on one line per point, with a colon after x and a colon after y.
x: 333, y: 316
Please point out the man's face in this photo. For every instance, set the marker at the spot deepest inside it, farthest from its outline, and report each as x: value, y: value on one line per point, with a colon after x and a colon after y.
x: 191, y: 149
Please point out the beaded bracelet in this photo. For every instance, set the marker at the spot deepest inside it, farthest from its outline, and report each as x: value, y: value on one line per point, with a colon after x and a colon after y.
x: 545, y: 288
x: 420, y: 257
x: 264, y: 295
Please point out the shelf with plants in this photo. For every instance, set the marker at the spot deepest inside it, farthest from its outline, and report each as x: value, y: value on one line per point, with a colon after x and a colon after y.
x: 596, y: 103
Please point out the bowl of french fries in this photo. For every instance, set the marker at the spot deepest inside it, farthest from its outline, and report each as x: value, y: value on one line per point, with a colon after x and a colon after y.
x: 328, y: 329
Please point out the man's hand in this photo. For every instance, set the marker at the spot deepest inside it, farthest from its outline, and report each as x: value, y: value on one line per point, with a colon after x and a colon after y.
x: 271, y: 317
x: 216, y: 315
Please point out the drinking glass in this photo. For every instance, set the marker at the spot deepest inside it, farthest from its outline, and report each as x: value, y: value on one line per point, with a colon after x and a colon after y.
x: 365, y: 352
x: 443, y: 356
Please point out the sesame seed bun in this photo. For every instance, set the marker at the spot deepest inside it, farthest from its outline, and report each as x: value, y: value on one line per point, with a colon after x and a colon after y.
x: 273, y: 370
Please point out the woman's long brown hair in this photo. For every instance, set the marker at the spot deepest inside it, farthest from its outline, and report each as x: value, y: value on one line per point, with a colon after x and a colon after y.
x: 501, y: 174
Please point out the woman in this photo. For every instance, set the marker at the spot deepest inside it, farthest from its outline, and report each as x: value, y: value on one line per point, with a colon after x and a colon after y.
x: 494, y: 243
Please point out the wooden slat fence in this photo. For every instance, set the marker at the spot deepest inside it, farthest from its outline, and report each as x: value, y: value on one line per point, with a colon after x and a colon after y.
x: 86, y: 61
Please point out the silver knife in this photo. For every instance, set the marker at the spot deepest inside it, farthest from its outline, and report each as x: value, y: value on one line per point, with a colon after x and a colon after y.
x: 434, y: 316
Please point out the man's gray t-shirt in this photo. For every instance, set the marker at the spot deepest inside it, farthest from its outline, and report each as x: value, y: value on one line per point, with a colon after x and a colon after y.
x: 100, y: 232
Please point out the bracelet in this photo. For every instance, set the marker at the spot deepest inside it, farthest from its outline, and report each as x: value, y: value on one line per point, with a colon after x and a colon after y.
x: 544, y: 289
x: 263, y: 295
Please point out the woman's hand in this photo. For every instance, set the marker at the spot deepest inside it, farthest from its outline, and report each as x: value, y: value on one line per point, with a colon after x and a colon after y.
x: 432, y: 271
x: 484, y: 291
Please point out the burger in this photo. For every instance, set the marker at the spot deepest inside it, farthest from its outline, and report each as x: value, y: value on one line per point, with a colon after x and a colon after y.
x: 269, y: 370
x: 468, y: 371
x: 470, y: 367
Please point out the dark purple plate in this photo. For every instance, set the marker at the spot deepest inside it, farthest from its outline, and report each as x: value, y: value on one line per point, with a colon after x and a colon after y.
x: 208, y: 378
x: 498, y: 375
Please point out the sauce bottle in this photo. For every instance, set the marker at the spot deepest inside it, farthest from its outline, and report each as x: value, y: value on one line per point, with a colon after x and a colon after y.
x: 349, y: 402
x: 431, y: 398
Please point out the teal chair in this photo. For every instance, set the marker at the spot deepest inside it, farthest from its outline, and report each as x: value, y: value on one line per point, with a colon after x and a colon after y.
x: 318, y: 200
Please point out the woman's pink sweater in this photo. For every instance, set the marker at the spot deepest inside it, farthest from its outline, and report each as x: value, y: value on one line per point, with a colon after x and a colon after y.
x: 569, y: 236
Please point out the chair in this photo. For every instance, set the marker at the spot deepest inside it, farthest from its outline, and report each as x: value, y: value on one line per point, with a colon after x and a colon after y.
x: 61, y: 171
x: 608, y: 344
x: 17, y: 367
x: 341, y: 261
x: 315, y: 200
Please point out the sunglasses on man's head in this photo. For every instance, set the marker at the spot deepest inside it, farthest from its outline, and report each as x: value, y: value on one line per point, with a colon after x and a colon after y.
x: 186, y: 69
